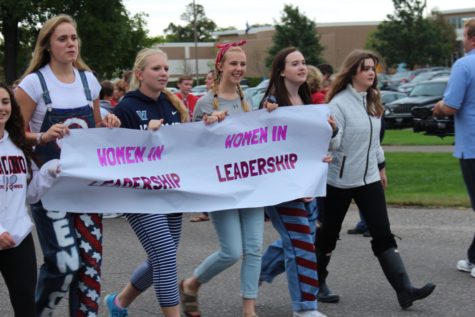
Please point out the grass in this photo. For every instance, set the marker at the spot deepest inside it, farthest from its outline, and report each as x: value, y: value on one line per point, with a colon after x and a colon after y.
x: 425, y: 179
x: 408, y: 137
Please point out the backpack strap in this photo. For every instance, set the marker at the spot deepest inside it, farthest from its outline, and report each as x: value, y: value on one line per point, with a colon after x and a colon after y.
x: 45, y: 94
x: 87, y: 91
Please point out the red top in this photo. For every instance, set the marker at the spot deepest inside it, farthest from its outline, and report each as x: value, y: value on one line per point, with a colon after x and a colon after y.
x: 318, y: 97
x: 189, y: 102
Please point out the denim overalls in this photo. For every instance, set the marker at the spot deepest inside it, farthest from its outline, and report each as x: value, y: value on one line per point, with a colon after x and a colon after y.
x: 71, y: 243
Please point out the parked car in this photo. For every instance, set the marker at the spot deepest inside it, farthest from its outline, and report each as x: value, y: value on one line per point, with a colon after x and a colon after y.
x: 398, y: 79
x: 398, y: 113
x: 383, y: 80
x: 423, y: 121
x: 388, y: 96
x: 257, y: 93
x: 199, y: 90
x: 406, y: 88
x: 257, y: 98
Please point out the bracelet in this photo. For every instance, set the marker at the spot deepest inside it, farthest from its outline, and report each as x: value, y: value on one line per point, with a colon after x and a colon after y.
x: 38, y: 138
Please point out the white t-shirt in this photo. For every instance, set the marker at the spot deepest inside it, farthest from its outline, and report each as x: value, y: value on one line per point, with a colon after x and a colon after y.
x: 14, y: 216
x: 63, y: 95
x: 15, y: 194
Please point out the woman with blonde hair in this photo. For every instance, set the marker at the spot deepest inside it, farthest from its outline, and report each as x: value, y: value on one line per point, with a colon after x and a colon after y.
x: 148, y: 106
x: 357, y: 173
x: 58, y: 92
x: 315, y: 84
x: 239, y: 231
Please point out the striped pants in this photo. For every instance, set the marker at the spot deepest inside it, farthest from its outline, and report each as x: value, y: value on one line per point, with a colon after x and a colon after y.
x: 294, y: 253
x: 159, y: 234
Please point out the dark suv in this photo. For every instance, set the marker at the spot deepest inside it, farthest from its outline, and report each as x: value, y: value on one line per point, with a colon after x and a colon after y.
x: 398, y: 113
x: 424, y: 122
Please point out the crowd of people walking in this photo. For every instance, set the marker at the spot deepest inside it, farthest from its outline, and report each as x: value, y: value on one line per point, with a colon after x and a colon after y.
x: 58, y: 91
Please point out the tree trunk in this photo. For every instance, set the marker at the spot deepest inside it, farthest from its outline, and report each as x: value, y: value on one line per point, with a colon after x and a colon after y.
x: 10, y: 35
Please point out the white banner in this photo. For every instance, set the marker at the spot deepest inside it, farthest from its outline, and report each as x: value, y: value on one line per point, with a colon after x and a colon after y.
x: 248, y: 160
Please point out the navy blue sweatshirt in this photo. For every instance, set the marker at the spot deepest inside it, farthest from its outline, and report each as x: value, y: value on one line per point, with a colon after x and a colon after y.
x: 135, y: 110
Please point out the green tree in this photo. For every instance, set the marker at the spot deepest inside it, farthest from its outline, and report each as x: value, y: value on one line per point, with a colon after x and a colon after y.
x: 15, y: 40
x: 407, y: 36
x: 295, y: 29
x: 109, y: 37
x: 204, y: 26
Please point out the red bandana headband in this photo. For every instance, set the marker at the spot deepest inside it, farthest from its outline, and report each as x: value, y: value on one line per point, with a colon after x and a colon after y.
x: 223, y: 48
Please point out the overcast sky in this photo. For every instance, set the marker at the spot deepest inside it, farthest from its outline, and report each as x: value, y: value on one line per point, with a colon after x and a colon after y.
x: 237, y: 12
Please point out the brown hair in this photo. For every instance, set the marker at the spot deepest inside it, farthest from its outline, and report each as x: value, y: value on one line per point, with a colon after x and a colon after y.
x: 41, y: 56
x: 470, y: 25
x: 107, y: 88
x: 16, y: 128
x: 184, y: 77
x: 277, y: 84
x: 352, y: 64
x: 222, y: 60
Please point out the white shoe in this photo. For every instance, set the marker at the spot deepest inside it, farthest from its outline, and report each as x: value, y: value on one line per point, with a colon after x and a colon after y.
x: 308, y: 313
x: 466, y: 266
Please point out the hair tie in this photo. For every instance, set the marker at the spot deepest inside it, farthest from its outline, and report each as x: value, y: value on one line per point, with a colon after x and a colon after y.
x: 223, y: 48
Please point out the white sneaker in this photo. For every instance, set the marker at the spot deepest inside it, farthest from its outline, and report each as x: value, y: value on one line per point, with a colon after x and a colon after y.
x: 466, y: 266
x: 308, y: 313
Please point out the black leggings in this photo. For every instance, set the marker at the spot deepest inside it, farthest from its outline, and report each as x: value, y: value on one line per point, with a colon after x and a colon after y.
x: 371, y: 201
x: 18, y: 267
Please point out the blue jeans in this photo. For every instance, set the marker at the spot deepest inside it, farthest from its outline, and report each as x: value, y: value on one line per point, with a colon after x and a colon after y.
x: 240, y: 232
x: 294, y: 253
x: 361, y: 224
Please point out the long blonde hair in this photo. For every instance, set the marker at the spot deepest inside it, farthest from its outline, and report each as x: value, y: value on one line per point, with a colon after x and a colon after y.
x: 41, y: 55
x: 244, y: 105
x: 140, y: 64
x: 352, y: 64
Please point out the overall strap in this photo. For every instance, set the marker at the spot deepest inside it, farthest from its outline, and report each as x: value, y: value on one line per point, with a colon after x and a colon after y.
x: 45, y: 94
x: 87, y: 91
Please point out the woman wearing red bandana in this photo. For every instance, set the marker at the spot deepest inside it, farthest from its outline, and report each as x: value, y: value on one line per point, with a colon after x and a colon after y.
x: 239, y: 231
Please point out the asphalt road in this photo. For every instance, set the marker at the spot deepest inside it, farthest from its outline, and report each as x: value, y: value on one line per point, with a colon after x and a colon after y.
x: 432, y: 242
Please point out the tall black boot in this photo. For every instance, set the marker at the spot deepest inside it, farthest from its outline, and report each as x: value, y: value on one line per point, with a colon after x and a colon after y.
x: 324, y: 295
x: 393, y: 268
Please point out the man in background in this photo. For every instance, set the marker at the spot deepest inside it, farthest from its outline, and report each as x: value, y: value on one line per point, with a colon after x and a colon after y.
x: 459, y: 101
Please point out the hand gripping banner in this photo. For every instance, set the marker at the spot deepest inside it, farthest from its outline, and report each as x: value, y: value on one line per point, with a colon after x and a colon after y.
x: 248, y: 160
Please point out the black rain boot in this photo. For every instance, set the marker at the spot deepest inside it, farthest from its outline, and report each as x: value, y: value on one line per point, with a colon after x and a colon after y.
x: 324, y: 295
x: 393, y: 268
